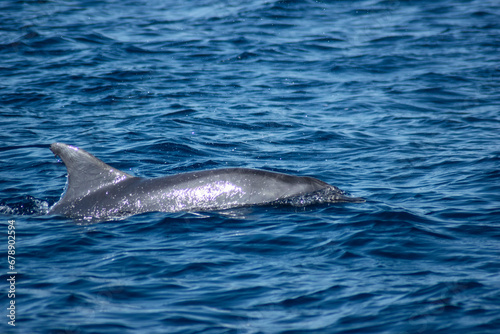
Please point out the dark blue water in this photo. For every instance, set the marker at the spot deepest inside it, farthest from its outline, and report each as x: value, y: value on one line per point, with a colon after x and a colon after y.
x: 394, y: 101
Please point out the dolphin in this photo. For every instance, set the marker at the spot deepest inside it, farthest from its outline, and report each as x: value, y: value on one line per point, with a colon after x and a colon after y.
x: 96, y: 191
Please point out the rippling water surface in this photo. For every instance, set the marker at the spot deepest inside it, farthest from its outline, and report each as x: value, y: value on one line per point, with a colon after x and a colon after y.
x: 394, y: 101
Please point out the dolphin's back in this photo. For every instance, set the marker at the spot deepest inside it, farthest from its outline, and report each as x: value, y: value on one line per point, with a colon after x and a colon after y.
x: 97, y: 191
x: 224, y: 188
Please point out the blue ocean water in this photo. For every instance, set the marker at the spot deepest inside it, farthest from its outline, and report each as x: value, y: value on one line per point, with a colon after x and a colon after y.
x: 394, y: 101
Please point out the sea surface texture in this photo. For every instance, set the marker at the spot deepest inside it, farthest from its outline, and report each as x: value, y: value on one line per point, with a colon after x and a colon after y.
x: 397, y: 102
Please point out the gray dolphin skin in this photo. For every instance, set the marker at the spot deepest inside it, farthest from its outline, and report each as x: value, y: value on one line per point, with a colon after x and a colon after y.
x: 97, y: 191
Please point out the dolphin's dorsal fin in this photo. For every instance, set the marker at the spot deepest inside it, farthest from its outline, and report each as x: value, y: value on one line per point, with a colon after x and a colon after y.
x: 86, y: 173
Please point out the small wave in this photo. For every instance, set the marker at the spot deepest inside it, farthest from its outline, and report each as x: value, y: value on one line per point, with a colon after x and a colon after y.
x: 28, y: 205
x: 326, y: 195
